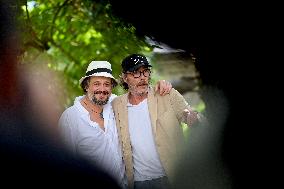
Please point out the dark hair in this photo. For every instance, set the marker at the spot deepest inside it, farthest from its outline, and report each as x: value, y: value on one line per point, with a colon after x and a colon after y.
x: 86, y: 82
x: 123, y: 84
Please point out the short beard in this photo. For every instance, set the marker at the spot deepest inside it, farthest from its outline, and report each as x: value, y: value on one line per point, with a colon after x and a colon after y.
x: 132, y: 90
x: 97, y: 101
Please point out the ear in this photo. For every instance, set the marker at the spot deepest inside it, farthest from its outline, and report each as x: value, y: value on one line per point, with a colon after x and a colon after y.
x: 124, y: 77
x: 87, y: 87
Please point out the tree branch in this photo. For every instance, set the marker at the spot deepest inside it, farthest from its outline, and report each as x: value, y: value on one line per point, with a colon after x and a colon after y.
x: 55, y: 16
x: 69, y: 56
x: 32, y: 32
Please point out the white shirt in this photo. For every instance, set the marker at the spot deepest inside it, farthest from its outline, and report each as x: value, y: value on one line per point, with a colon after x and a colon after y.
x: 146, y: 161
x: 86, y: 138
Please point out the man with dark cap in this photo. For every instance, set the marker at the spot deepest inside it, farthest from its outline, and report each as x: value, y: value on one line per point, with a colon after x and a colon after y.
x: 149, y: 126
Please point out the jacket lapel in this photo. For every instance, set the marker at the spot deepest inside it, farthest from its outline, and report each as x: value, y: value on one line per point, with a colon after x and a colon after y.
x: 152, y: 106
x: 125, y: 137
x: 123, y: 118
x: 123, y: 115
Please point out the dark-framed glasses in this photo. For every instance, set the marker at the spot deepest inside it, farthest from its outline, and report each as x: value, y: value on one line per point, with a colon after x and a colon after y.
x: 137, y: 74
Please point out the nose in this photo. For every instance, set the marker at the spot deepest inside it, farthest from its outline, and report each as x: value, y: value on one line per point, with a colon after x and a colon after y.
x: 102, y: 88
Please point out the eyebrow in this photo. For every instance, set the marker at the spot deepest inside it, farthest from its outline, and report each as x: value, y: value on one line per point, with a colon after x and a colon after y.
x: 102, y: 82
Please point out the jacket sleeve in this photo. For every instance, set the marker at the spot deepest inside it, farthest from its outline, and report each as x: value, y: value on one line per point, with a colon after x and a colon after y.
x: 178, y: 104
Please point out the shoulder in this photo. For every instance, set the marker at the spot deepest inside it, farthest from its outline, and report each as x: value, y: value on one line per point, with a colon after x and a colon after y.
x: 70, y: 118
x: 175, y: 94
x: 118, y: 99
x: 172, y: 95
x: 174, y: 98
x: 112, y: 97
x: 68, y: 113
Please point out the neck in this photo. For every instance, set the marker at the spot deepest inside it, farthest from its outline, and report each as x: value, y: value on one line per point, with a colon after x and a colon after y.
x: 92, y: 105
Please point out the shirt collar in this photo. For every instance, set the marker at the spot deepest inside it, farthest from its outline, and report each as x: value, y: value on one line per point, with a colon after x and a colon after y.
x: 107, y: 109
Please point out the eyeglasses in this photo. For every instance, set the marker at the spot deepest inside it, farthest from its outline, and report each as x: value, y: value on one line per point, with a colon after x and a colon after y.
x: 137, y: 74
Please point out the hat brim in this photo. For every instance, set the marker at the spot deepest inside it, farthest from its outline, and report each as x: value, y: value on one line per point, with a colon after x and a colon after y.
x: 102, y: 74
x: 138, y: 66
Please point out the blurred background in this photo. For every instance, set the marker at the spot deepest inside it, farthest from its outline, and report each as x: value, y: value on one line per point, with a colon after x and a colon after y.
x: 65, y: 36
x: 208, y: 51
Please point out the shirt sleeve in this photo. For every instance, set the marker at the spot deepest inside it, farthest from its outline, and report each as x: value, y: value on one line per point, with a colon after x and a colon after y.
x: 67, y: 132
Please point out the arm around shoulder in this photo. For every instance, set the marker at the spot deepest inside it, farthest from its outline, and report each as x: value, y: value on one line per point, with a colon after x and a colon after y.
x: 178, y: 103
x: 184, y: 111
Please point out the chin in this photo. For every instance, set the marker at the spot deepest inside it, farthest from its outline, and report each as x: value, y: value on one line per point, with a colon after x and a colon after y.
x: 142, y: 92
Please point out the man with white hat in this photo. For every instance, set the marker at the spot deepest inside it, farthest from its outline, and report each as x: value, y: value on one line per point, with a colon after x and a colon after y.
x: 89, y: 128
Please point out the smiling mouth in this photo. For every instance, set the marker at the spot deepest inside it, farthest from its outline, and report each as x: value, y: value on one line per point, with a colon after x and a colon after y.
x: 101, y: 93
x: 101, y: 96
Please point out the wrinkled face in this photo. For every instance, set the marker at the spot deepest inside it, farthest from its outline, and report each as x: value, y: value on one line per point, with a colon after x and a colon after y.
x: 99, y: 90
x: 138, y: 81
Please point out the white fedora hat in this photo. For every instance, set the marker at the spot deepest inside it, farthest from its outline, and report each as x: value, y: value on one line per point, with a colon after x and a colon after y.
x: 98, y: 68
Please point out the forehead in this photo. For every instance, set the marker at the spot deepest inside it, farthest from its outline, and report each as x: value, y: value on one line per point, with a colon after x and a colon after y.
x: 100, y: 79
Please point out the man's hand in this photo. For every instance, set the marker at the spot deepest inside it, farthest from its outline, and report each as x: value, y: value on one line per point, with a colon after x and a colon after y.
x: 163, y: 87
x: 191, y: 116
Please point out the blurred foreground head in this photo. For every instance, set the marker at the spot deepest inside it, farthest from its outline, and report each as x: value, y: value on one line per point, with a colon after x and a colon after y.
x: 23, y: 95
x: 30, y: 150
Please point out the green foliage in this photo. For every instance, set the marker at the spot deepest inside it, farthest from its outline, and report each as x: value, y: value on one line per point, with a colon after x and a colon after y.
x: 67, y: 35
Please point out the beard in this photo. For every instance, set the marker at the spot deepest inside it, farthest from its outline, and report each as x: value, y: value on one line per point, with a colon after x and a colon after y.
x: 135, y: 90
x: 97, y: 101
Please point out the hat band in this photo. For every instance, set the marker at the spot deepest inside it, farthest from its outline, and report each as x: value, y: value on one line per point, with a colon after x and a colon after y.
x: 98, y: 70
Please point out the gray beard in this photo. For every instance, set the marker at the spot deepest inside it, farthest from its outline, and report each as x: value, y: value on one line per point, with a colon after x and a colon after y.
x: 132, y: 90
x: 94, y: 100
x: 99, y: 102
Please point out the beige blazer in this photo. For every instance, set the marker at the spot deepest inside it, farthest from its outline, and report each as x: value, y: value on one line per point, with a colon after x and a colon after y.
x: 166, y: 114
